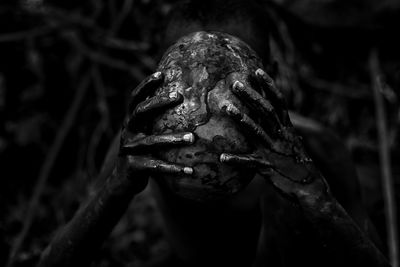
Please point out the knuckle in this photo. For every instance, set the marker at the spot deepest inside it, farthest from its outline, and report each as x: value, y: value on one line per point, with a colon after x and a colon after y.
x: 149, y: 140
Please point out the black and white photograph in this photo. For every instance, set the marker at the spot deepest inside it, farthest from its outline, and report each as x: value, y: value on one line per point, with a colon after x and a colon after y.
x: 199, y: 133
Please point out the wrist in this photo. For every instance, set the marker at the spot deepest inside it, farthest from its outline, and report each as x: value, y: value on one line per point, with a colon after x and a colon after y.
x: 123, y: 179
x: 316, y: 194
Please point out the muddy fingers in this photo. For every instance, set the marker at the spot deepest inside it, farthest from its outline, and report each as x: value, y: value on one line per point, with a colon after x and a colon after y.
x: 153, y: 142
x: 154, y: 166
x: 247, y: 123
x: 245, y: 160
x: 136, y: 162
x: 153, y: 105
x: 257, y: 103
x: 146, y: 88
x: 274, y: 94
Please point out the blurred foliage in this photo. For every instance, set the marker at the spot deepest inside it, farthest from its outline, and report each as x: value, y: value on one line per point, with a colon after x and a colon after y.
x: 55, y: 55
x: 52, y: 54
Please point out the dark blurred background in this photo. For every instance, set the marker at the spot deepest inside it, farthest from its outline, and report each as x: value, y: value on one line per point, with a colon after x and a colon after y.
x: 66, y: 71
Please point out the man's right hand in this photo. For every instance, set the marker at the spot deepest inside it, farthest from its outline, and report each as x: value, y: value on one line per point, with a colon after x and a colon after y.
x: 135, y: 161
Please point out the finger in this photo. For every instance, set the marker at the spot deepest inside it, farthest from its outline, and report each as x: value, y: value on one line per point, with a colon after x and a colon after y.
x: 156, y: 141
x: 258, y: 103
x: 154, y: 166
x: 153, y: 105
x: 146, y: 88
x: 276, y: 96
x: 268, y: 82
x: 245, y: 160
x: 247, y: 123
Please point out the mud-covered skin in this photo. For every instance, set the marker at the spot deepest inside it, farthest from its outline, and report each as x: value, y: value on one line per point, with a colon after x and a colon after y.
x: 201, y: 66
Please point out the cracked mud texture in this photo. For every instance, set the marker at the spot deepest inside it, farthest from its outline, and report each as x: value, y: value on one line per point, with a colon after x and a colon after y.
x: 201, y: 67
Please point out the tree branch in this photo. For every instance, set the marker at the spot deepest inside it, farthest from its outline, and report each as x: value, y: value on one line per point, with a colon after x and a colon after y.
x: 48, y: 166
x: 384, y: 157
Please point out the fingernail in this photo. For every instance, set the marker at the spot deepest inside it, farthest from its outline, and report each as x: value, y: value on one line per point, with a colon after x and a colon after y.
x: 260, y: 72
x: 173, y: 95
x: 264, y: 75
x: 223, y: 157
x: 157, y: 75
x: 188, y: 138
x: 238, y: 85
x: 231, y: 109
x: 188, y: 170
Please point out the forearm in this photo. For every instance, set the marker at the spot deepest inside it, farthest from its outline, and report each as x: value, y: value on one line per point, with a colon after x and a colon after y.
x: 76, y: 244
x: 334, y: 226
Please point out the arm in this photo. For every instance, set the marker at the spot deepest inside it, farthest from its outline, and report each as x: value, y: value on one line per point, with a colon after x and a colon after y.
x: 81, y: 238
x: 76, y: 244
x: 283, y: 162
x: 333, y: 159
